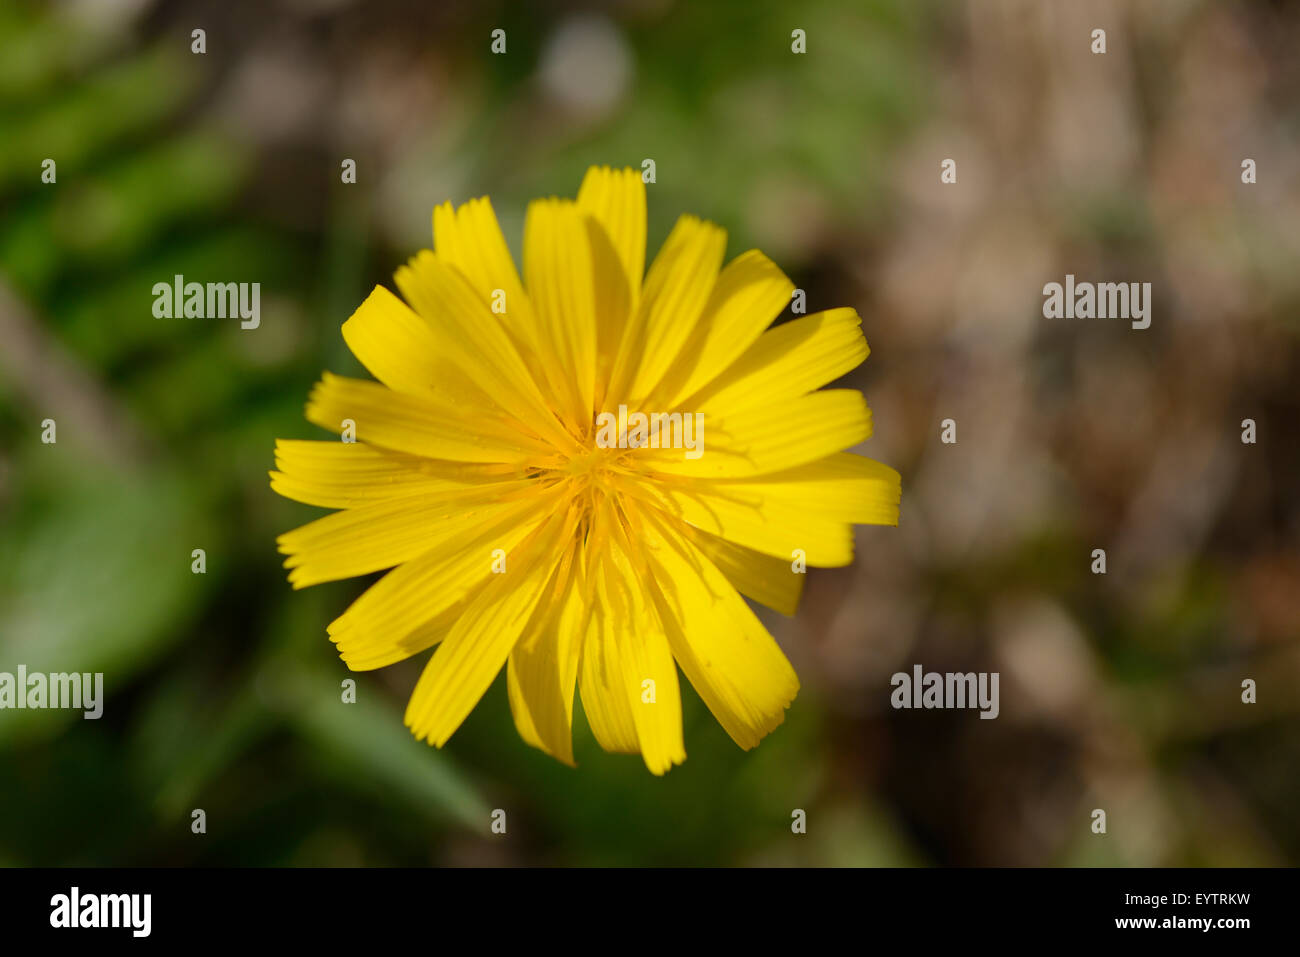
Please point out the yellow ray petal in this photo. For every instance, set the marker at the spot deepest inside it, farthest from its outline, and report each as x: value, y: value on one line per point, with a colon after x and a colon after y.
x: 469, y: 239
x: 418, y: 425
x: 749, y: 515
x: 476, y: 341
x: 601, y: 678
x: 615, y: 198
x: 786, y: 362
x: 720, y: 644
x: 641, y: 650
x: 349, y: 474
x: 476, y: 647
x: 561, y: 283
x: 762, y: 440
x: 750, y: 292
x: 543, y: 667
x: 357, y: 541
x: 402, y: 351
x: 605, y: 700
x: 842, y: 487
x: 388, y: 622
x: 677, y: 288
x: 613, y: 305
x: 768, y: 580
x: 367, y: 651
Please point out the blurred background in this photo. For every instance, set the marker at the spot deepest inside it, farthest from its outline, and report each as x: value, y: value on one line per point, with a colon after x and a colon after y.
x: 1119, y: 691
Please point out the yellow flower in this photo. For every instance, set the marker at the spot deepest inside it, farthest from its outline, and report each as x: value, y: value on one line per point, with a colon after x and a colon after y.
x: 501, y: 470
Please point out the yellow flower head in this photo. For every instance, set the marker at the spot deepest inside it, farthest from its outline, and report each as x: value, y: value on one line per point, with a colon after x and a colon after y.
x: 578, y: 474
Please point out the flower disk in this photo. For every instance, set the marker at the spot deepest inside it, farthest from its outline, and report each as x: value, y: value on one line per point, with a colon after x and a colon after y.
x: 577, y: 474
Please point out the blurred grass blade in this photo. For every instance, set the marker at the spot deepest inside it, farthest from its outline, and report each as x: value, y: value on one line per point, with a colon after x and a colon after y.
x: 373, y: 741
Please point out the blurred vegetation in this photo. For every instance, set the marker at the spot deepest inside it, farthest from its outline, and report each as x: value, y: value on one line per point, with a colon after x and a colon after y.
x: 223, y: 692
